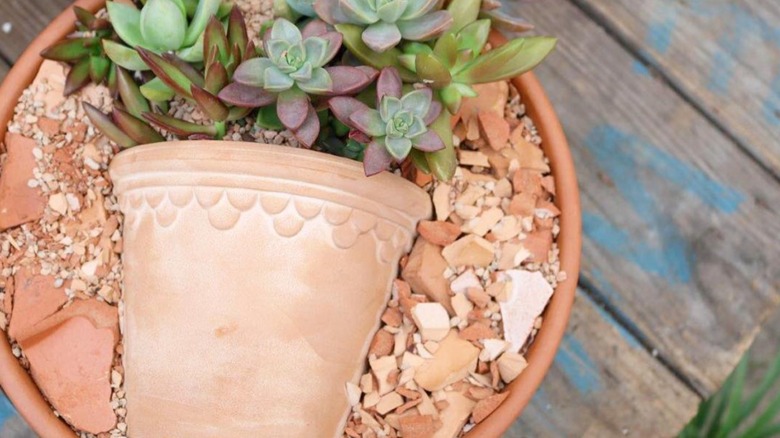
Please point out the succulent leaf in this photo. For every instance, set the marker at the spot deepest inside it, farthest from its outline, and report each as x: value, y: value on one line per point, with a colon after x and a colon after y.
x: 135, y: 128
x: 506, y: 22
x: 268, y: 119
x: 432, y: 71
x: 417, y: 102
x: 310, y: 129
x: 418, y: 8
x: 376, y: 158
x: 252, y: 71
x: 464, y: 12
x: 389, y: 58
x: 210, y: 104
x: 429, y: 141
x: 275, y: 80
x: 319, y: 83
x: 78, y: 77
x: 359, y: 11
x: 98, y: 68
x: 381, y: 36
x: 303, y: 7
x: 343, y: 107
x: 349, y: 80
x: 443, y: 163
x: 168, y: 72
x: 369, y: 121
x: 446, y: 49
x: 425, y: 27
x: 163, y: 25
x: 156, y: 91
x: 388, y: 84
x: 474, y: 36
x: 124, y: 56
x: 69, y: 50
x: 216, y: 78
x: 107, y: 126
x: 391, y: 11
x: 246, y: 96
x: 286, y: 31
x: 130, y: 93
x: 513, y: 58
x: 180, y: 128
x: 292, y: 107
x: 126, y: 20
x: 237, y: 32
x: 206, y: 8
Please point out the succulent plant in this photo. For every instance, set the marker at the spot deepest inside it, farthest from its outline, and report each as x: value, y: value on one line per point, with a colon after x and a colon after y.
x: 386, y: 22
x: 292, y: 71
x: 84, y: 52
x: 225, y: 48
x: 292, y: 9
x: 400, y: 124
x: 456, y: 60
x: 160, y: 26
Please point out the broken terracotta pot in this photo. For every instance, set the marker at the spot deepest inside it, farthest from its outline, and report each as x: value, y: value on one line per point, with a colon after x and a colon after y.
x: 255, y: 275
x: 216, y: 327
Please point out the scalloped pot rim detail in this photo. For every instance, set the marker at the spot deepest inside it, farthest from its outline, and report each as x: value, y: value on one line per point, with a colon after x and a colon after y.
x: 22, y: 391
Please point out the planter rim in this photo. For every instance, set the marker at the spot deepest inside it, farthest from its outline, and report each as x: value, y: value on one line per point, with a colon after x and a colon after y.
x: 22, y: 391
x: 269, y: 168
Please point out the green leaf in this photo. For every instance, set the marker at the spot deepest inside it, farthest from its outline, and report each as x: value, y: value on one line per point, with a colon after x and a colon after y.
x: 729, y: 421
x: 131, y: 95
x: 178, y: 127
x: 389, y: 58
x: 285, y: 31
x: 276, y: 81
x: 69, y: 50
x: 168, y: 72
x: 163, y: 25
x: 126, y: 20
x: 124, y: 56
x: 474, y: 37
x: 206, y: 9
x: 193, y: 53
x: 282, y: 9
x: 512, y: 59
x: 210, y: 104
x: 105, y: 125
x: 78, y: 76
x: 268, y: 119
x: 98, y: 68
x: 320, y: 82
x: 464, y: 12
x: 446, y: 49
x: 136, y: 128
x: 432, y: 71
x: 156, y: 91
x: 444, y: 162
x: 390, y: 12
x: 420, y: 161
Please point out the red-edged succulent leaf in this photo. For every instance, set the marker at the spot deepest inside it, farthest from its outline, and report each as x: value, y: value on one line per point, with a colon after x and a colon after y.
x: 130, y: 93
x: 98, y: 68
x: 360, y: 137
x: 78, y: 76
x: 388, y: 84
x: 238, y: 113
x: 349, y: 80
x: 237, y: 33
x: 215, y: 42
x: 368, y: 121
x: 210, y: 104
x: 246, y: 96
x: 250, y: 52
x: 428, y: 141
x: 180, y: 127
x: 168, y: 72
x: 310, y: 128
x: 192, y: 73
x: 433, y: 112
x: 506, y: 22
x: 111, y: 81
x: 70, y: 50
x: 104, y: 123
x: 216, y: 78
x: 343, y: 107
x: 84, y: 16
x: 376, y: 159
x: 314, y: 28
x: 136, y: 128
x: 334, y: 44
x: 329, y: 11
x: 292, y: 107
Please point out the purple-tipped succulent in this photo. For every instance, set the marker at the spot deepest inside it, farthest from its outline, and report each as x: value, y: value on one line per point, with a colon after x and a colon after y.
x: 292, y: 71
x: 400, y: 124
x: 386, y: 22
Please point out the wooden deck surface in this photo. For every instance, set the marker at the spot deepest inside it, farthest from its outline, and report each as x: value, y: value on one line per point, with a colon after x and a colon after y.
x: 672, y: 110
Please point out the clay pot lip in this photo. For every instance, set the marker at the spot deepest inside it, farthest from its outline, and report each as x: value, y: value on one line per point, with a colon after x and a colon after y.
x: 186, y: 162
x: 27, y: 399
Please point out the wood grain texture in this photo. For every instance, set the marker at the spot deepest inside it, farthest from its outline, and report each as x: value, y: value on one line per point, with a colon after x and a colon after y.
x: 605, y: 384
x: 27, y: 19
x: 3, y: 69
x: 677, y: 219
x: 724, y: 55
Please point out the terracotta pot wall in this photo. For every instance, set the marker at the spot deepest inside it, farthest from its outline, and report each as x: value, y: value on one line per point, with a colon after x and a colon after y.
x: 24, y: 394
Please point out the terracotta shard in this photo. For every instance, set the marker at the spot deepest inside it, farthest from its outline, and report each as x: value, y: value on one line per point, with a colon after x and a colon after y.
x: 495, y: 129
x: 538, y: 244
x: 382, y: 344
x: 452, y: 362
x: 19, y: 203
x: 486, y: 406
x: 417, y: 426
x: 35, y: 298
x: 438, y: 232
x: 470, y: 250
x: 528, y: 298
x: 432, y: 320
x: 425, y: 273
x: 477, y: 331
x: 531, y: 155
x: 453, y: 418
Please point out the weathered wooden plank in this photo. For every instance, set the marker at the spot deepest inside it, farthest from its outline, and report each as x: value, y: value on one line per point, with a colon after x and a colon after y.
x: 27, y: 19
x: 604, y: 383
x: 677, y: 218
x: 3, y: 69
x: 724, y: 55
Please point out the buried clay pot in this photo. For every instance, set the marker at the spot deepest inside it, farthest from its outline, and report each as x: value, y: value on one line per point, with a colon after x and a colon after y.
x: 21, y: 389
x: 254, y: 279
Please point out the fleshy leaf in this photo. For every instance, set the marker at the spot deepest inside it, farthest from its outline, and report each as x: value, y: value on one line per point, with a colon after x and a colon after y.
x: 381, y: 36
x: 268, y: 119
x: 388, y: 107
x: 353, y: 40
x: 474, y: 36
x: 303, y: 74
x: 408, y: 61
x: 163, y: 25
x: 193, y: 53
x: 358, y: 11
x: 316, y: 50
x: 303, y: 7
x: 464, y: 12
x: 348, y: 80
x: 285, y: 31
x: 512, y: 59
x: 376, y: 158
x: 124, y: 56
x: 237, y: 113
x: 252, y: 71
x: 98, y: 68
x: 134, y: 101
x: 451, y: 98
x: 420, y: 161
x: 368, y: 121
x: 433, y: 112
x: 417, y: 101
x: 106, y: 126
x: 388, y: 84
x: 216, y: 78
x: 329, y: 11
x: 69, y: 50
x: 246, y: 96
x: 126, y: 20
x: 282, y: 9
x: 136, y: 128
x: 506, y: 22
x: 156, y: 91
x: 292, y: 107
x: 206, y: 8
x: 237, y: 32
x: 443, y: 162
x: 314, y: 28
x: 425, y: 27
x: 210, y: 104
x: 276, y: 81
x: 78, y: 76
x: 399, y: 147
x: 215, y: 42
x: 432, y: 71
x: 188, y: 70
x: 446, y: 49
x: 429, y: 141
x: 418, y: 8
x: 178, y: 127
x: 390, y: 12
x: 310, y: 129
x: 320, y: 82
x: 343, y: 107
x: 167, y: 72
x: 84, y: 16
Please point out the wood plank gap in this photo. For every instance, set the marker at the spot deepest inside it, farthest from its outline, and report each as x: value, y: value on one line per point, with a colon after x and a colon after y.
x: 601, y: 300
x: 636, y: 50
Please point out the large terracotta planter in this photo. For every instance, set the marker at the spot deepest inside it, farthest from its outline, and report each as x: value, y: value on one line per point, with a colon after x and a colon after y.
x: 25, y: 395
x: 255, y: 277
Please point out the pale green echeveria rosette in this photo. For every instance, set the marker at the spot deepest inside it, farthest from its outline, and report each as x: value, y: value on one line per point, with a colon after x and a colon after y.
x: 292, y: 71
x: 385, y: 23
x: 160, y: 26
